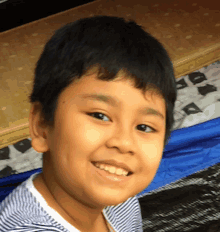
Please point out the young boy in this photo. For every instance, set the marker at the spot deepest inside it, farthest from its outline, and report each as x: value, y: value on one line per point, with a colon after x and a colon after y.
x: 102, y: 112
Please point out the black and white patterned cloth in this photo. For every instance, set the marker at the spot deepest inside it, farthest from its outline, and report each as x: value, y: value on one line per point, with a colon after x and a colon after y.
x: 198, y: 97
x: 190, y: 204
x: 18, y: 158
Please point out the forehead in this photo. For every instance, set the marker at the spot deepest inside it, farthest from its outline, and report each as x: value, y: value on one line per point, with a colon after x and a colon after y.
x: 112, y: 101
x: 94, y: 73
x: 91, y: 80
x: 119, y: 93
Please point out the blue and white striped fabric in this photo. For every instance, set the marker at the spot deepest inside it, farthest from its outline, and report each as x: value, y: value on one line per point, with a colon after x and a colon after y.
x: 25, y: 209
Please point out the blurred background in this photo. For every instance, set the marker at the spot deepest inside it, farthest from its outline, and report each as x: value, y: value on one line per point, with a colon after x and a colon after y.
x: 14, y: 13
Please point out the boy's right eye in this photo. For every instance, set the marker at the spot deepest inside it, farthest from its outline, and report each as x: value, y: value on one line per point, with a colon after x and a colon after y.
x: 97, y: 114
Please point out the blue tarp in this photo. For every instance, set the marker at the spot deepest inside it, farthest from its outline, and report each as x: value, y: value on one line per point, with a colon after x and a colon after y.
x: 189, y: 150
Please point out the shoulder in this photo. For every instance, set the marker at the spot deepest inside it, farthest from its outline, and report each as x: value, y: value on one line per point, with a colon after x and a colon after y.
x: 20, y: 205
x: 26, y: 212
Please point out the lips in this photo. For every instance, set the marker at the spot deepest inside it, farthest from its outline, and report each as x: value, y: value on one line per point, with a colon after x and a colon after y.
x: 116, y: 164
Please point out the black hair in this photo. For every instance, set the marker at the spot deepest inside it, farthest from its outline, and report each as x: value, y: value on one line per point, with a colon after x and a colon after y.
x: 111, y: 43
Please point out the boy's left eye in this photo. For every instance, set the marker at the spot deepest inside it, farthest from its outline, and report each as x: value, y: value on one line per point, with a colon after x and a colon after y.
x: 98, y: 114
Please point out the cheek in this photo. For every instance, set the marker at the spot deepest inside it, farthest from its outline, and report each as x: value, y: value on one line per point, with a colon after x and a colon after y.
x: 91, y: 135
x: 152, y: 154
x: 77, y: 133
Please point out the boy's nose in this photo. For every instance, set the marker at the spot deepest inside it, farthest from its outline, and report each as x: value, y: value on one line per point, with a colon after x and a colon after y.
x: 123, y: 141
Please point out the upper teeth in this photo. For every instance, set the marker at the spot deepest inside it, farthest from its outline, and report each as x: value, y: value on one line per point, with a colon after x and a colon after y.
x: 112, y: 169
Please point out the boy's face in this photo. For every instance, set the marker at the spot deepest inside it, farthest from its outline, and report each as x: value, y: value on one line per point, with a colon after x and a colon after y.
x: 120, y: 133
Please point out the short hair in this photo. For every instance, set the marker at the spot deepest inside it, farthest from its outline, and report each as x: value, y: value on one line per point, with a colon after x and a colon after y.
x: 112, y: 44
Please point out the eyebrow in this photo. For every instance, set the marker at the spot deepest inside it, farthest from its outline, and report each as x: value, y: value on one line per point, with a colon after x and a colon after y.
x: 115, y: 102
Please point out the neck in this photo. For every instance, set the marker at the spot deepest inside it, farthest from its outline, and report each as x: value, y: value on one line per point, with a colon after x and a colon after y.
x: 81, y: 216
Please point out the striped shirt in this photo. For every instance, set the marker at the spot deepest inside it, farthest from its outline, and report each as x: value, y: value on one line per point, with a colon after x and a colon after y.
x: 25, y: 209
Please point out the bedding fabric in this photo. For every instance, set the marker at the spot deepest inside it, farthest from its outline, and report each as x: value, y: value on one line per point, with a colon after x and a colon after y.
x: 191, y: 204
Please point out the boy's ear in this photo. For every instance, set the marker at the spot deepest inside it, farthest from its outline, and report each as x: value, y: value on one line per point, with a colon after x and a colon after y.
x: 38, y: 130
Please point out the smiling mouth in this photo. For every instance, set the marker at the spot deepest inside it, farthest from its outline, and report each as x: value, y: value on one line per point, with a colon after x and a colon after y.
x: 114, y: 174
x: 107, y: 177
